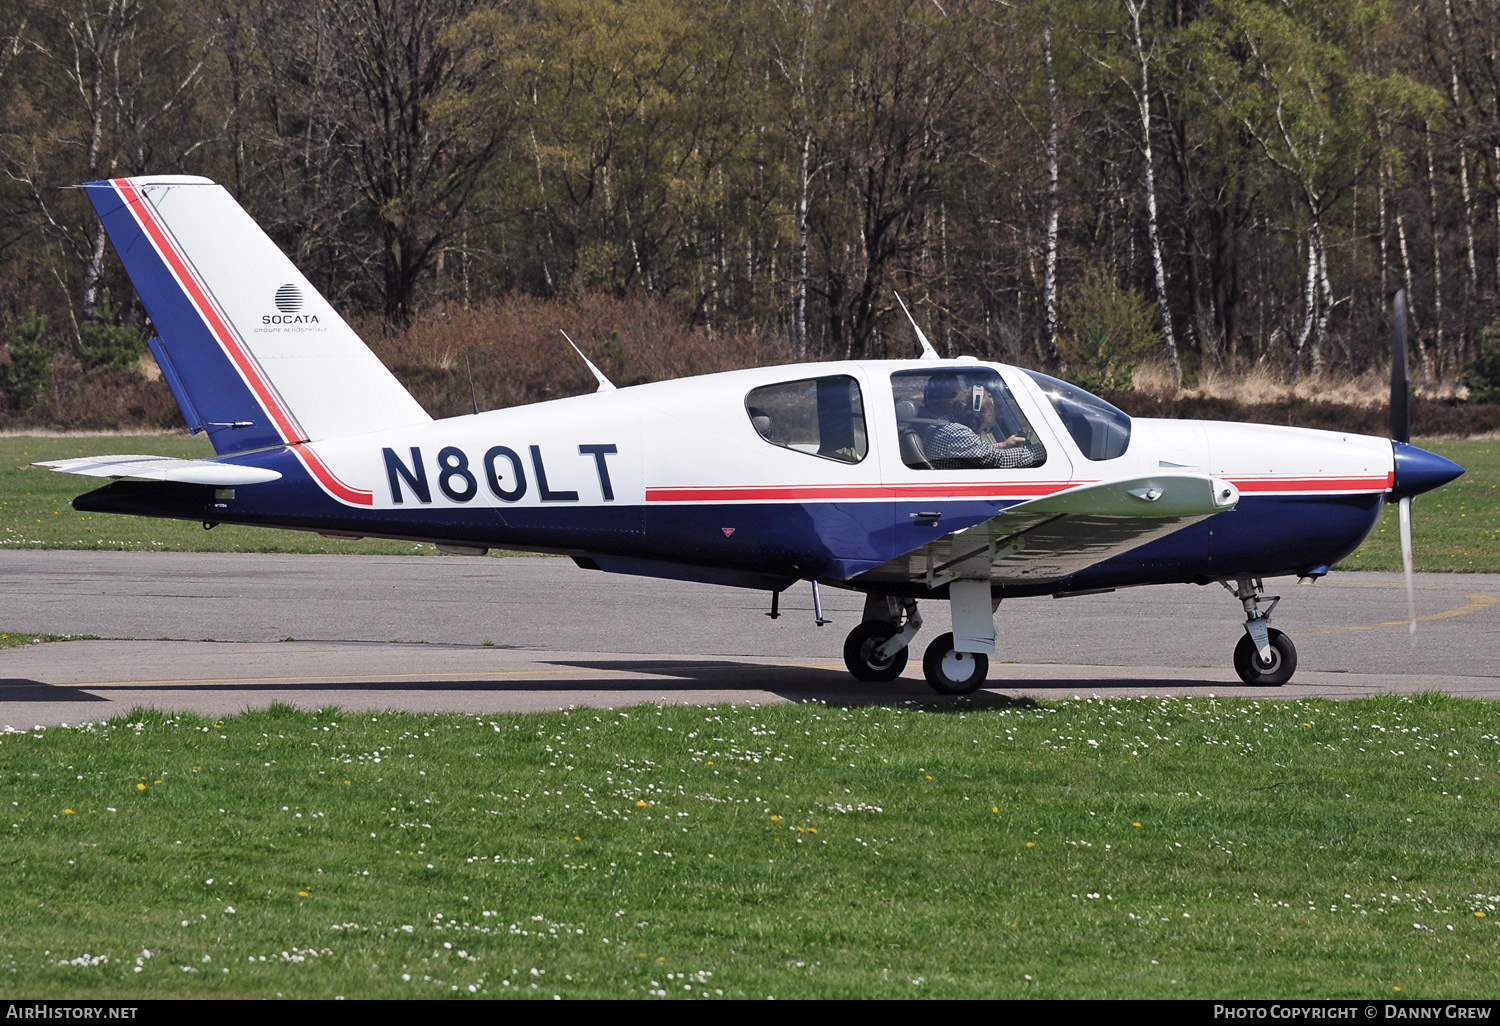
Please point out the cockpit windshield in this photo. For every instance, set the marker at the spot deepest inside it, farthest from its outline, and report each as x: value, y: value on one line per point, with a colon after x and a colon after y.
x: 1101, y: 431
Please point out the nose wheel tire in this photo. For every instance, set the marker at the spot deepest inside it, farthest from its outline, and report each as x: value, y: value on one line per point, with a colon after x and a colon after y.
x: 1258, y: 673
x: 953, y: 673
x: 859, y: 652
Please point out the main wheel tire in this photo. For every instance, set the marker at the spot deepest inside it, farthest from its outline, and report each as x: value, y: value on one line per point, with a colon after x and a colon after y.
x: 953, y: 673
x: 859, y: 652
x: 1273, y: 674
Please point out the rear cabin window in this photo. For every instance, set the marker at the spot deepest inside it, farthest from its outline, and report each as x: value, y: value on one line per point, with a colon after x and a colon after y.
x: 818, y: 416
x: 962, y: 419
x: 1101, y: 431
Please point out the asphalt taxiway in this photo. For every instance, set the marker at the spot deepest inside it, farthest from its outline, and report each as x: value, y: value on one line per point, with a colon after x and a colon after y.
x: 219, y: 633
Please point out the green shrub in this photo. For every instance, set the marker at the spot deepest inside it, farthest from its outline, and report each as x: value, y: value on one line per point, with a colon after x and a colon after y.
x: 25, y: 378
x: 105, y: 342
x: 1109, y: 331
x: 1482, y: 376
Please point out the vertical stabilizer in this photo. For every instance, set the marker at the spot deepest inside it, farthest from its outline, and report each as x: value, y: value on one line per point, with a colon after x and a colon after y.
x: 253, y: 353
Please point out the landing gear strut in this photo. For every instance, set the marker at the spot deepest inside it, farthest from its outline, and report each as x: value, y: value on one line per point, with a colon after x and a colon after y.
x: 955, y: 663
x: 876, y: 650
x: 1264, y: 657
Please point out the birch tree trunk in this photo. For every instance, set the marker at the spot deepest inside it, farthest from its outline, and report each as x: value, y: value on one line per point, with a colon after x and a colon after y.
x: 1143, y: 103
x: 1437, y: 249
x: 1049, y: 273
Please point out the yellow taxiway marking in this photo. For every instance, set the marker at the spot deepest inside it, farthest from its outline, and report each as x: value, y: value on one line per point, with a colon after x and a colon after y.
x: 1477, y: 600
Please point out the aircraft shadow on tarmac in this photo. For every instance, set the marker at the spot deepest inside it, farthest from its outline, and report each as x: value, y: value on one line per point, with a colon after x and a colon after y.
x: 659, y: 676
x: 20, y: 690
x: 805, y: 683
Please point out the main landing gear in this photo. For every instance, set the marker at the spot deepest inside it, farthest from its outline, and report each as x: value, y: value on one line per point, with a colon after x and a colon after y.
x: 951, y: 672
x: 1264, y: 657
x: 878, y: 649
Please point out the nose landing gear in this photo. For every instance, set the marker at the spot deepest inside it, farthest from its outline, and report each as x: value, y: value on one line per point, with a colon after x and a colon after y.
x: 1264, y: 657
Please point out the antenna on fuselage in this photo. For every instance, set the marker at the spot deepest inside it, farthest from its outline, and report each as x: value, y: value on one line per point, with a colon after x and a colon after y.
x: 928, y: 353
x: 605, y: 385
x: 473, y: 395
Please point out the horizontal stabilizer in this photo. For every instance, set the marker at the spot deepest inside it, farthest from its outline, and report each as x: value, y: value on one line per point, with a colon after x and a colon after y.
x: 162, y: 468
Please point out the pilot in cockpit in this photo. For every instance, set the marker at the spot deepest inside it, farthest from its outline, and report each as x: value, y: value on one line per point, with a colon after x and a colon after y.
x: 961, y: 417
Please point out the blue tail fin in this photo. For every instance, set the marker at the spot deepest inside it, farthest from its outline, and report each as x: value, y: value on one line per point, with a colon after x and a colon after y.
x: 253, y: 354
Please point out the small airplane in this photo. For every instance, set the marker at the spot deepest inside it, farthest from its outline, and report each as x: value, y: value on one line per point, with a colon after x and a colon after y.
x: 942, y: 479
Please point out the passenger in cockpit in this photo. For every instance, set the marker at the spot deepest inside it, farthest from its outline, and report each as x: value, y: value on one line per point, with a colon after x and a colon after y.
x: 957, y: 412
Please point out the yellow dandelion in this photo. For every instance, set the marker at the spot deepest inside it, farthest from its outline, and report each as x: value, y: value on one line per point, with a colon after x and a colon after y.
x: 1135, y: 824
x: 661, y: 958
x: 929, y: 776
x: 302, y: 894
x: 1396, y: 989
x: 140, y: 787
x: 1031, y: 844
x: 994, y: 808
x: 159, y: 781
x: 1479, y: 915
x: 812, y: 830
x: 67, y: 812
x: 775, y: 819
x: 640, y: 804
x: 577, y: 838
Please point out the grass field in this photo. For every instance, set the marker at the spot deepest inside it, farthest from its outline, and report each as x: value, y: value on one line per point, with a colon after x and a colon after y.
x: 34, y: 510
x: 1457, y: 528
x: 1097, y: 848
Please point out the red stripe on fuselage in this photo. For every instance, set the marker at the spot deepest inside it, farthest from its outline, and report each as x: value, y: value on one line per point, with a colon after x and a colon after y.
x: 1316, y: 485
x: 328, y: 479
x: 1013, y: 490
x: 218, y: 325
x: 798, y: 493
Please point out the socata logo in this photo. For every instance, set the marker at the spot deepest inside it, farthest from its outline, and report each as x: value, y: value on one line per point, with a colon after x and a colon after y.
x: 289, y: 302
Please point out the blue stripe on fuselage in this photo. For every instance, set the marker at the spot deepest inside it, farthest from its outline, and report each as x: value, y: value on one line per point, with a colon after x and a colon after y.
x: 1265, y: 536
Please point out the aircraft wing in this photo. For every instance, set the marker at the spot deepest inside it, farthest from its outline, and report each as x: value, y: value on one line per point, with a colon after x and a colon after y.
x: 162, y: 468
x: 1050, y: 538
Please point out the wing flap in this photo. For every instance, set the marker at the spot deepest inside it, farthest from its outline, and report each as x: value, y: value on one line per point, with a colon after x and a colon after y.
x: 162, y: 468
x: 1053, y: 537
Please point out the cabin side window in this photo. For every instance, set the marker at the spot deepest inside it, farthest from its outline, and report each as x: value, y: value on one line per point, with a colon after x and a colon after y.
x: 1101, y: 431
x: 962, y: 419
x: 818, y: 416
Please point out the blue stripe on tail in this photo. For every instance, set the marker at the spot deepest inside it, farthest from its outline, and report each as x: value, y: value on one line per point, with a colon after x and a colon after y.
x: 212, y: 395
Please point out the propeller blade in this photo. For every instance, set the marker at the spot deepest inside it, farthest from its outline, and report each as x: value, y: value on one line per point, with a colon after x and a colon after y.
x: 1411, y: 596
x: 1400, y: 395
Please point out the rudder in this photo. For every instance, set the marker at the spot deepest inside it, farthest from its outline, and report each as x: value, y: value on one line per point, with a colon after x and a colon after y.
x: 253, y: 353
